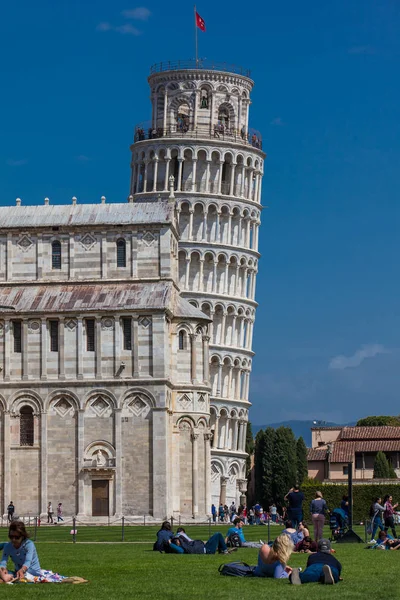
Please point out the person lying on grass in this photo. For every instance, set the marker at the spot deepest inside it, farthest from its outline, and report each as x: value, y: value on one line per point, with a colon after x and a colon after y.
x: 164, y: 535
x: 180, y: 545
x: 307, y: 546
x: 296, y: 535
x: 238, y: 530
x: 321, y: 567
x: 22, y: 552
x: 386, y: 542
x: 272, y: 562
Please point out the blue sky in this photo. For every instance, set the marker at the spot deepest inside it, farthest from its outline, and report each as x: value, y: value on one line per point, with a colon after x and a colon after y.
x: 327, y: 103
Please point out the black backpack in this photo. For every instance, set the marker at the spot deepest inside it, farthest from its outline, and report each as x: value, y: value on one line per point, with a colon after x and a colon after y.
x: 234, y: 541
x: 237, y: 569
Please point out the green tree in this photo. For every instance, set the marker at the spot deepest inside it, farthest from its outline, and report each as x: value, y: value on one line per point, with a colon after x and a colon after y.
x: 379, y: 421
x: 301, y: 461
x: 284, y: 463
x: 249, y: 447
x: 269, y: 467
x: 259, y: 464
x: 381, y: 467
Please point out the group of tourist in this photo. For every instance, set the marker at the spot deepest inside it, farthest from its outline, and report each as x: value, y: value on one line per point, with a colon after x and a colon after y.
x: 382, y: 516
x: 322, y: 566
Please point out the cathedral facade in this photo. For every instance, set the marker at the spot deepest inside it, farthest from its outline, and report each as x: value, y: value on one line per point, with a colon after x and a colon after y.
x: 126, y: 329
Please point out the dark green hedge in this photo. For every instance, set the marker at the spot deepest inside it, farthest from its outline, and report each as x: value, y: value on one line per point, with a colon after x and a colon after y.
x: 363, y: 495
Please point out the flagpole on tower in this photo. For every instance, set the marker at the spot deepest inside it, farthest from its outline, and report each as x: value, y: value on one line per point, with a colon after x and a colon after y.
x: 196, y: 40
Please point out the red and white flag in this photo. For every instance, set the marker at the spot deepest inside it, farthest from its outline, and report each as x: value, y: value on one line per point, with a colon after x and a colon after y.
x: 200, y: 22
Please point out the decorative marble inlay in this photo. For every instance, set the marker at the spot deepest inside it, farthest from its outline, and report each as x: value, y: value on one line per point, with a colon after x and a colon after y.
x: 138, y: 407
x: 185, y: 401
x: 63, y: 407
x: 144, y: 322
x: 71, y: 324
x: 148, y: 238
x: 33, y: 326
x: 99, y: 406
x: 107, y: 323
x: 24, y: 243
x: 88, y: 241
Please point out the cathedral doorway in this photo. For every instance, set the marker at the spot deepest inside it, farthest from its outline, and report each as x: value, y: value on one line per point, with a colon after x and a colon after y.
x: 100, y: 497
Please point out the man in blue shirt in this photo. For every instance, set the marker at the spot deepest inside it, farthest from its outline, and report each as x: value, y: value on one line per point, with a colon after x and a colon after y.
x: 237, y: 528
x: 295, y: 499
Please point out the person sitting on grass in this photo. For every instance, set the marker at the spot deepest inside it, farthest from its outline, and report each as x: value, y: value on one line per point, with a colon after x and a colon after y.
x: 321, y: 567
x: 180, y: 545
x: 164, y: 535
x: 306, y: 546
x: 238, y: 530
x: 296, y: 535
x: 22, y: 552
x: 272, y: 562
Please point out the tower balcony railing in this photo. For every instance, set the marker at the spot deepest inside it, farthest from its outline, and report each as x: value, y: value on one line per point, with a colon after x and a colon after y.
x: 200, y: 64
x: 201, y: 187
x: 252, y: 137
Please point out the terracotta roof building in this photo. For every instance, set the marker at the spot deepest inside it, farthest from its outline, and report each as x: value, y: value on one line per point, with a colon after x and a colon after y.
x: 334, y: 447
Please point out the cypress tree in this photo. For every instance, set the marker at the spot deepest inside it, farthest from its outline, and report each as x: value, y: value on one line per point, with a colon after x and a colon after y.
x: 284, y: 463
x: 259, y: 456
x: 381, y: 467
x: 269, y: 467
x: 302, y: 465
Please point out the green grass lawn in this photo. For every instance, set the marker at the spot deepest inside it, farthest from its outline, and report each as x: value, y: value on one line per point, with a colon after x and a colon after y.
x: 134, y: 571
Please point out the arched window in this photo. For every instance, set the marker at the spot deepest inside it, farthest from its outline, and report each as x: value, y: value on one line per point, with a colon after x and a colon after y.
x: 121, y: 253
x: 56, y: 255
x: 26, y: 432
x: 182, y: 340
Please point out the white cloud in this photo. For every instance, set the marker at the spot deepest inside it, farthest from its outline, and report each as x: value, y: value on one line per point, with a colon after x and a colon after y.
x: 140, y: 14
x: 104, y: 27
x: 277, y: 121
x: 368, y: 351
x: 126, y: 29
x: 16, y: 163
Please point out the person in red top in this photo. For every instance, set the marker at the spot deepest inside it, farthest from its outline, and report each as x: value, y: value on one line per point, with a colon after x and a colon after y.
x: 388, y: 514
x: 306, y: 546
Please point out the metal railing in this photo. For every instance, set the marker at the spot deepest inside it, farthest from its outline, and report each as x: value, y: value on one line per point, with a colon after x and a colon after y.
x: 252, y: 138
x: 200, y: 64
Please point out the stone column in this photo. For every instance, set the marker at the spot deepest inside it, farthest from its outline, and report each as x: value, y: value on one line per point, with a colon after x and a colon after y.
x: 206, y: 359
x: 219, y: 381
x: 237, y: 282
x: 201, y: 275
x: 236, y: 435
x: 233, y: 340
x: 43, y: 350
x: 194, y: 187
x: 180, y: 169
x: 103, y: 254
x: 187, y: 272
x: 247, y: 341
x: 226, y: 286
x: 79, y: 465
x: 191, y: 211
x: 195, y: 474
x: 155, y: 171
x: 161, y: 478
x: 139, y: 169
x: 39, y: 256
x: 25, y: 349
x: 242, y: 484
x: 232, y: 191
x: 98, y: 348
x: 9, y: 262
x: 222, y: 498
x: 135, y: 347
x: 258, y: 199
x: 221, y: 164
x: 79, y: 345
x: 248, y: 224
x: 166, y: 182
x: 207, y: 190
x: 146, y: 168
x: 118, y: 461
x: 240, y: 336
x: 229, y: 381
x: 43, y: 463
x: 204, y: 232
x: 216, y: 433
x: 117, y: 344
x: 223, y: 322
x: 215, y: 282
x: 193, y: 359
x: 228, y: 425
x: 237, y: 387
x: 240, y: 436
x: 242, y: 181
x: 6, y: 461
x: 165, y: 124
x: 217, y: 226
x: 229, y: 240
x: 207, y: 473
x: 61, y: 348
x: 7, y: 351
x: 244, y: 283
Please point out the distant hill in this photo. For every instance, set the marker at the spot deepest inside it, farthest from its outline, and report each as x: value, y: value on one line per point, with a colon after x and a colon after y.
x: 300, y: 428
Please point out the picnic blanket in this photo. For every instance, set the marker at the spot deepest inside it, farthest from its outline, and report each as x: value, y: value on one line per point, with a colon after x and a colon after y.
x: 49, y: 577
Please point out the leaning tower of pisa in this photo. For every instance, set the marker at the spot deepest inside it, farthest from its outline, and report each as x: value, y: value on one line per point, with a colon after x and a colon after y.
x: 199, y: 138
